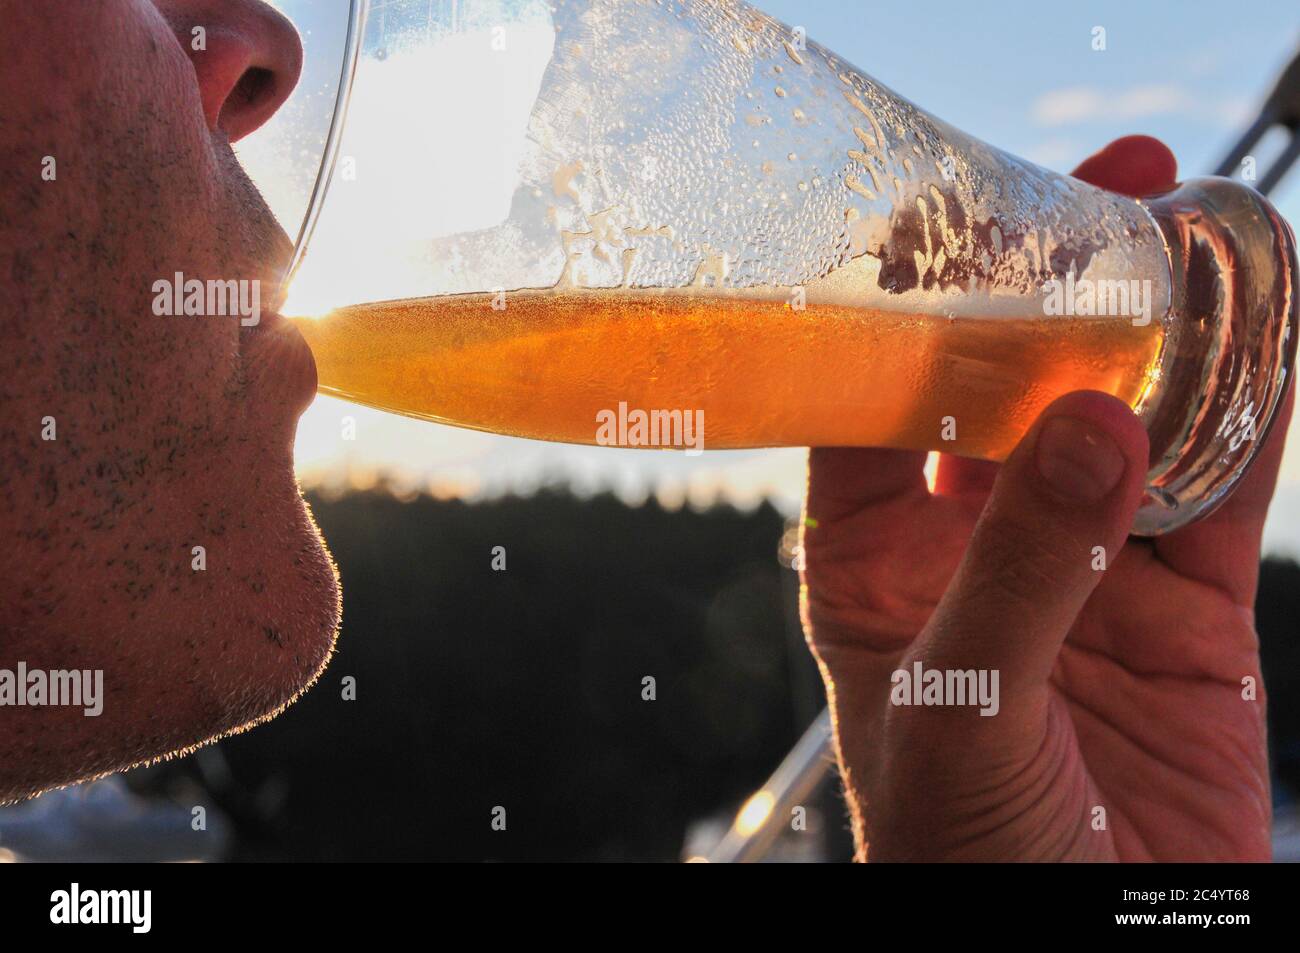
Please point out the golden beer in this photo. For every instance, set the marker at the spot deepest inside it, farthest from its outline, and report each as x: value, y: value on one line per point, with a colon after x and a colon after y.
x: 549, y: 362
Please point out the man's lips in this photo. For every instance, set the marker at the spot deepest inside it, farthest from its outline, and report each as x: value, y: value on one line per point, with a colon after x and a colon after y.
x: 278, y: 362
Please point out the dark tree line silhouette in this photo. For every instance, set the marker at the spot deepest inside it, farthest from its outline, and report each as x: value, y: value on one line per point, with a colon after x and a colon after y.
x: 524, y: 688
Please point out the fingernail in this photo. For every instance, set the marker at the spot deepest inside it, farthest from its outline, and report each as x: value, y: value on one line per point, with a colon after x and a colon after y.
x: 1077, y: 460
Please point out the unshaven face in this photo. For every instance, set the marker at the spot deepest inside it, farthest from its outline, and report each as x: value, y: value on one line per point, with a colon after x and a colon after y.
x: 150, y: 523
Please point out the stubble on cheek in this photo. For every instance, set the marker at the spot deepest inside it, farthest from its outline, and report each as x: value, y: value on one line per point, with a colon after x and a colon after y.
x: 159, y: 447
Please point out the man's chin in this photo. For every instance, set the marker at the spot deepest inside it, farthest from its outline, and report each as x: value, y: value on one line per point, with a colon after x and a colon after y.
x: 228, y: 646
x: 282, y: 629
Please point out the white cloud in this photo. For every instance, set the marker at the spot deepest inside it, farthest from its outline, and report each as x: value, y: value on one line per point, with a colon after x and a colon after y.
x: 1077, y: 104
x: 1056, y: 152
x: 1237, y: 112
x: 1059, y: 107
x: 1073, y: 104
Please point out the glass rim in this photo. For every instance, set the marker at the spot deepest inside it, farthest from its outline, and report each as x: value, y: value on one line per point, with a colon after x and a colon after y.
x: 357, y: 14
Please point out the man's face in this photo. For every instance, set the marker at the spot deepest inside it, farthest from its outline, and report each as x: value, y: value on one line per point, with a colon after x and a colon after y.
x: 170, y: 432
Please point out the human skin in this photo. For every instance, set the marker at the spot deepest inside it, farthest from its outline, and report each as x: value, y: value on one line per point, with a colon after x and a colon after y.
x: 172, y: 432
x: 1121, y: 690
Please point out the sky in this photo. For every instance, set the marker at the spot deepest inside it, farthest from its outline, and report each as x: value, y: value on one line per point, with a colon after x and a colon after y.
x: 1021, y: 75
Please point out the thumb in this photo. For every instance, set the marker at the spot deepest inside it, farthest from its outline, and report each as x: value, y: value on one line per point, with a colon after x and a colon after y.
x: 1071, y: 485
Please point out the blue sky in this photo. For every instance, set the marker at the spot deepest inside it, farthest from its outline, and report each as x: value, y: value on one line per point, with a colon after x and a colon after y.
x: 1023, y: 75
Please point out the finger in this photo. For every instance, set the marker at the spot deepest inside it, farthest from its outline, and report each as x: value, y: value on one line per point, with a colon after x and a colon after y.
x: 958, y: 476
x: 1223, y: 548
x: 1132, y: 165
x: 845, y: 480
x: 1072, y: 484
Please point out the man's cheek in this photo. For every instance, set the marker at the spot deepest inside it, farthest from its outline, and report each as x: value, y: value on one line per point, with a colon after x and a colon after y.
x: 72, y: 52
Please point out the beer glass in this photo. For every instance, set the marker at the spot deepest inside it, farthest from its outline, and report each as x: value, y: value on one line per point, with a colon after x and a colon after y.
x: 547, y: 217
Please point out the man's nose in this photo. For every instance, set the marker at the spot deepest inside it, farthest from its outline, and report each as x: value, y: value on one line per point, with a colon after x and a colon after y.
x: 246, y: 55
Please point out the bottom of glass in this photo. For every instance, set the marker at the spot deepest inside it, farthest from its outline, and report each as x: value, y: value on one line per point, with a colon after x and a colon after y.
x: 1231, y: 342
